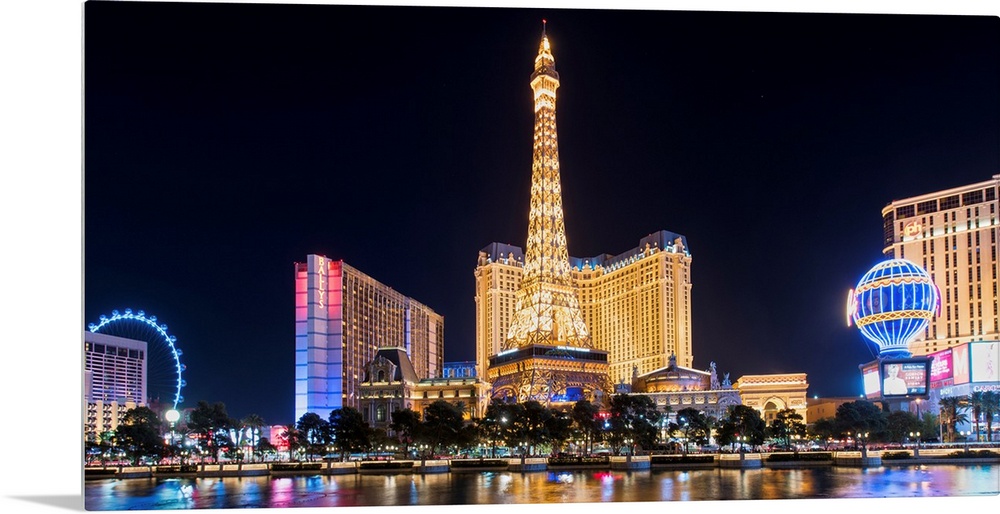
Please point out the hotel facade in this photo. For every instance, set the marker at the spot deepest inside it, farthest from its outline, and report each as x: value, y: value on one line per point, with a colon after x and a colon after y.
x: 637, y: 304
x: 115, y: 380
x: 953, y: 235
x: 342, y: 318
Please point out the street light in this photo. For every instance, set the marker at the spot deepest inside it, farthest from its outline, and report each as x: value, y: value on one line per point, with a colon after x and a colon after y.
x: 172, y: 416
x: 916, y: 451
x: 965, y: 439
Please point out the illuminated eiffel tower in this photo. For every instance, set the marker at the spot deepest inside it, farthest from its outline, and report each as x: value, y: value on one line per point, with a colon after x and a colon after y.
x: 548, y: 355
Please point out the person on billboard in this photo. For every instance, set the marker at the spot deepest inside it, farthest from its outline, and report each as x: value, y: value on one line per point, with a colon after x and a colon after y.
x: 893, y: 383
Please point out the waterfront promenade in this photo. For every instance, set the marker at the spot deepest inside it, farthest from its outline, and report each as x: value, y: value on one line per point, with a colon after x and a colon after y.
x: 777, y: 460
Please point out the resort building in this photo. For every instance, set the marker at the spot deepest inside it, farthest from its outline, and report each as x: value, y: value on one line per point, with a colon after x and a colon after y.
x: 342, y: 318
x: 953, y: 235
x: 115, y: 380
x: 390, y: 384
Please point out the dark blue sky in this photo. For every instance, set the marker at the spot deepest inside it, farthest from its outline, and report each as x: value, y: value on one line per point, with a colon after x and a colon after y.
x: 223, y: 143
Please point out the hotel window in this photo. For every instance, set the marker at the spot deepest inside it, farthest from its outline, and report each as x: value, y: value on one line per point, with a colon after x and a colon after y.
x: 972, y: 197
x: 991, y: 194
x: 927, y: 207
x: 949, y: 202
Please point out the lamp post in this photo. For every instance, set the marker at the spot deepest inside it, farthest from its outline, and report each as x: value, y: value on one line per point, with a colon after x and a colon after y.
x: 965, y: 439
x: 864, y: 447
x: 172, y: 416
x: 916, y: 450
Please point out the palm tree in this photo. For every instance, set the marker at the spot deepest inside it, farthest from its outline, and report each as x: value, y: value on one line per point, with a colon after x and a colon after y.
x: 975, y: 402
x: 952, y: 413
x: 254, y: 423
x: 991, y: 406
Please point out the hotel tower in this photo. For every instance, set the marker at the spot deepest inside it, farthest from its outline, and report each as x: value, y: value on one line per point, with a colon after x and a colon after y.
x: 342, y: 318
x: 953, y: 235
x: 627, y: 313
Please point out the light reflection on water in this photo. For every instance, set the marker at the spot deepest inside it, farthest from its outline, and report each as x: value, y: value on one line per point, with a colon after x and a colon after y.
x: 541, y: 487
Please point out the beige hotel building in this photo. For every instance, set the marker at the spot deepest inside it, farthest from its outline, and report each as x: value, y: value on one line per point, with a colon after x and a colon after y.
x: 637, y: 304
x: 953, y: 235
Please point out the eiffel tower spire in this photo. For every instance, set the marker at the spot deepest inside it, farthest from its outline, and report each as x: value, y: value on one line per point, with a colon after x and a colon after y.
x: 546, y: 307
x: 547, y: 355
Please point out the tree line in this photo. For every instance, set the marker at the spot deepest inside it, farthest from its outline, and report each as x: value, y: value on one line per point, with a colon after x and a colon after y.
x: 632, y: 423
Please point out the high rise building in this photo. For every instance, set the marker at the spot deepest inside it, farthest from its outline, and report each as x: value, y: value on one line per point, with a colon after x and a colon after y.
x: 547, y: 353
x: 342, y: 318
x: 634, y: 307
x: 637, y: 304
x: 115, y: 380
x: 953, y: 235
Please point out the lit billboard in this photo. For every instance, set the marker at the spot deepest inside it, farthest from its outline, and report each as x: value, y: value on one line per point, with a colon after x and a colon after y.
x: 960, y: 363
x: 278, y: 437
x: 941, y: 365
x: 872, y: 384
x: 905, y: 377
x: 985, y: 357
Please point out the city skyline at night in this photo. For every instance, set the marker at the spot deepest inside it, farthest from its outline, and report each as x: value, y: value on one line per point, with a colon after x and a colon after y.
x: 398, y: 139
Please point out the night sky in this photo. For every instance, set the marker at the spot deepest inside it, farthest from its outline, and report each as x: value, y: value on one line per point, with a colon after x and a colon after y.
x: 223, y: 143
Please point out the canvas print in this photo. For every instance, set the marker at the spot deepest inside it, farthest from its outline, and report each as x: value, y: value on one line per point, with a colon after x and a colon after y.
x: 343, y: 256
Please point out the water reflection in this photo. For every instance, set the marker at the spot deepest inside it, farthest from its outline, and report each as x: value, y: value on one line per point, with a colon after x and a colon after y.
x: 541, y: 488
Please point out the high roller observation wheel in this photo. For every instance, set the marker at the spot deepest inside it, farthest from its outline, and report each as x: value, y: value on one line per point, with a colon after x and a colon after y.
x: 162, y: 377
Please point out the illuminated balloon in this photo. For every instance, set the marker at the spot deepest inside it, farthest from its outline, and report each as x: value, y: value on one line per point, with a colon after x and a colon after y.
x: 892, y: 304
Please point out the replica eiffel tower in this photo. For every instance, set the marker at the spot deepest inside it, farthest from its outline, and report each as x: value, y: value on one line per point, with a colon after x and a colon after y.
x: 548, y: 355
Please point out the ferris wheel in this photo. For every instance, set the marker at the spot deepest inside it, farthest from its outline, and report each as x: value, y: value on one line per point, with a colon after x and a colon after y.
x: 163, y: 358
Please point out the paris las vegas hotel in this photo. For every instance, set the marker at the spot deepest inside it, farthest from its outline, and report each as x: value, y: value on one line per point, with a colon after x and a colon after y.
x: 546, y: 323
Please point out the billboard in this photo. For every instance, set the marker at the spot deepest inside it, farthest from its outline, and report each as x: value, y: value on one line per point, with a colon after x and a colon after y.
x: 872, y: 384
x: 985, y: 357
x: 960, y: 363
x: 905, y: 377
x: 941, y: 366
